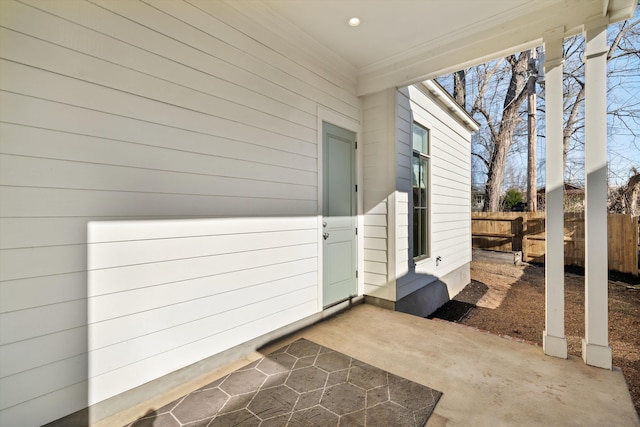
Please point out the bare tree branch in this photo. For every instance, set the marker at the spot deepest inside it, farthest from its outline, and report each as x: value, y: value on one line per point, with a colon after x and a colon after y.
x: 485, y: 161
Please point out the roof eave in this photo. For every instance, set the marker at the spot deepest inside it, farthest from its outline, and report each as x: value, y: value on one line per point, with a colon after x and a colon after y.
x: 448, y: 102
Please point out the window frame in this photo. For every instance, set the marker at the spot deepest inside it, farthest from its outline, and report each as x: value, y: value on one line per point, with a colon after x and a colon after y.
x: 427, y: 158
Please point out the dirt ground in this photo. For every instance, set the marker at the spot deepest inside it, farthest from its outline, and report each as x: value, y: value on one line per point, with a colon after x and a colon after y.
x: 508, y: 300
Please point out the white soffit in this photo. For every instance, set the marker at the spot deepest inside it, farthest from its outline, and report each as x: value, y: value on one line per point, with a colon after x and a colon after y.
x: 388, y: 28
x: 400, y: 42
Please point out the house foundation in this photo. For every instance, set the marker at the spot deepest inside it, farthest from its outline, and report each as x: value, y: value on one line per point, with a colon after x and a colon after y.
x: 429, y: 298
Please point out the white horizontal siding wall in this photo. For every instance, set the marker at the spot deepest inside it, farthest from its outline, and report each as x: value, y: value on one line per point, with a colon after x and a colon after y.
x: 403, y: 159
x: 450, y: 190
x: 119, y: 121
x: 378, y: 172
x: 389, y: 268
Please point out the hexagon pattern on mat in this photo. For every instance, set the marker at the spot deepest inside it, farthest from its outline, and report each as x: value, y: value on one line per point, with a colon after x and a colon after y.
x: 301, y: 384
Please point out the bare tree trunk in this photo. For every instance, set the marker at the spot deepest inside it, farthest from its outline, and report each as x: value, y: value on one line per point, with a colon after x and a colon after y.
x: 459, y: 87
x: 532, y: 134
x: 495, y: 175
x: 503, y: 138
x: 633, y: 192
x: 570, y: 125
x: 634, y: 209
x: 625, y: 199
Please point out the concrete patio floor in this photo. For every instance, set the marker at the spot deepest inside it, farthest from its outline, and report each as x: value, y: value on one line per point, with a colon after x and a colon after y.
x: 486, y: 380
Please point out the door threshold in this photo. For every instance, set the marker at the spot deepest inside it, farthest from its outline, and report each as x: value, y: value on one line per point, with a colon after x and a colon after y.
x: 350, y: 299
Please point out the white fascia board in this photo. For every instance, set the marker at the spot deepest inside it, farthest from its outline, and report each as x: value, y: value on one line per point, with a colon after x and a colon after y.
x: 444, y: 98
x: 437, y: 62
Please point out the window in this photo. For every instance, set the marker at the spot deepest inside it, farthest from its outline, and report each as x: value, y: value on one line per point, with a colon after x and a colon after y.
x: 420, y: 180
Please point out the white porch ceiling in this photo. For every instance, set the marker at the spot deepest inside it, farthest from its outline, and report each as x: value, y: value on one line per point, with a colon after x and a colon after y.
x: 403, y: 41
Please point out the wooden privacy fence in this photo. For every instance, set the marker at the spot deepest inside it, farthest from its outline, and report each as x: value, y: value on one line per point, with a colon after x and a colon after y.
x: 525, y: 231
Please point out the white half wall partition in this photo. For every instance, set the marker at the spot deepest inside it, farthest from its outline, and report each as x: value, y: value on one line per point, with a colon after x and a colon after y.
x: 168, y: 293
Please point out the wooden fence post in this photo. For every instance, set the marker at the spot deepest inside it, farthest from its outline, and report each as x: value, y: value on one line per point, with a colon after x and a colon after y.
x: 516, y: 229
x: 525, y: 240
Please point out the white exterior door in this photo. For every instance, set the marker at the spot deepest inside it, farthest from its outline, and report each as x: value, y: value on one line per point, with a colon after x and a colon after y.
x: 339, y: 214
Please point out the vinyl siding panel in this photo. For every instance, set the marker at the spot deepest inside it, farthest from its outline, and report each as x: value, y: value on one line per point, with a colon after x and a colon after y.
x: 158, y: 179
x: 171, y: 104
x: 286, y: 308
x: 40, y: 291
x: 26, y: 353
x: 44, y: 202
x: 20, y: 171
x: 84, y: 126
x: 26, y: 141
x: 52, y: 377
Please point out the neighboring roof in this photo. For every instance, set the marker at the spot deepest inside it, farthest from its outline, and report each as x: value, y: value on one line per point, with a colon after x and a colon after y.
x: 401, y: 43
x: 568, y: 189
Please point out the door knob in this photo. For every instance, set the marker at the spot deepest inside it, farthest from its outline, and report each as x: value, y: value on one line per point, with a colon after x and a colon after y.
x: 324, y: 224
x: 325, y: 235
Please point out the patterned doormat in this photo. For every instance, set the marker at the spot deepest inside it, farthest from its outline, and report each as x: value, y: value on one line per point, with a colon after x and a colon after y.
x: 302, y: 384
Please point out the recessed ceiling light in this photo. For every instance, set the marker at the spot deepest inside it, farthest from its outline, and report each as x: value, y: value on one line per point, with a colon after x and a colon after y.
x: 354, y: 22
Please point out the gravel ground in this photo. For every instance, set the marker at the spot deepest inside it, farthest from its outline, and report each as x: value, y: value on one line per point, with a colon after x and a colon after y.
x: 508, y: 300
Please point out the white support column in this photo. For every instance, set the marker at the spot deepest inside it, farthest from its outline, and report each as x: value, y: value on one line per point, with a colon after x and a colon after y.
x: 595, y: 345
x: 554, y: 341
